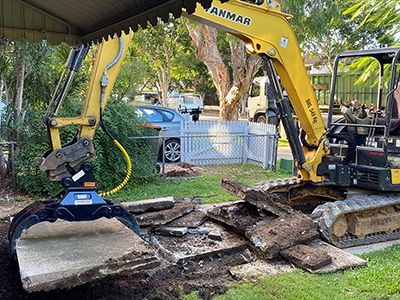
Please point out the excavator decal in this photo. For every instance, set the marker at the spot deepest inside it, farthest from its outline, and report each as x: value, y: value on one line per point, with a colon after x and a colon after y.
x: 226, y: 14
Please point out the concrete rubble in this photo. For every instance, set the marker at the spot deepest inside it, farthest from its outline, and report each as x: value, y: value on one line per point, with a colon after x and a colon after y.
x: 306, y: 257
x: 187, y: 230
x: 142, y: 206
x: 263, y: 200
x: 164, y: 216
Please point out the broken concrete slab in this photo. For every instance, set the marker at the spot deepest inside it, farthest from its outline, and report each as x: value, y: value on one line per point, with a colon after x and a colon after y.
x: 66, y: 254
x: 137, y: 207
x: 192, y: 220
x: 241, y: 216
x: 200, y: 230
x: 164, y: 216
x: 263, y: 200
x: 195, y: 199
x: 176, y: 249
x: 281, y: 233
x: 258, y: 269
x: 307, y: 258
x: 341, y: 260
x: 171, y: 231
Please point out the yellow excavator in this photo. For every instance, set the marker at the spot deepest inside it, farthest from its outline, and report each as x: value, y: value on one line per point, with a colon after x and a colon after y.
x: 351, y: 160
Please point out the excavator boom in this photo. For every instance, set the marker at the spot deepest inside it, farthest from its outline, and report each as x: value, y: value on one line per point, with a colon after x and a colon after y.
x: 277, y: 44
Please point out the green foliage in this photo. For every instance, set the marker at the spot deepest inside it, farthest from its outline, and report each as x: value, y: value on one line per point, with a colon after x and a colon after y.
x: 134, y: 72
x: 377, y: 12
x: 110, y: 166
x: 323, y: 30
x: 32, y: 142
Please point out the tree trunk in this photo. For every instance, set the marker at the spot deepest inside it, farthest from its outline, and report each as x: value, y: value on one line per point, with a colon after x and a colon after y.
x: 244, y: 66
x: 20, y: 89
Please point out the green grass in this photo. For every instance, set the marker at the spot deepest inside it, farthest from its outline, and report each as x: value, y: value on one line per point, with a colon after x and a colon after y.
x: 206, y: 186
x: 283, y: 142
x: 379, y: 280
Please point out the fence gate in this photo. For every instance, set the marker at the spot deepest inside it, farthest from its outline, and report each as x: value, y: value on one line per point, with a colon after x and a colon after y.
x: 214, y: 142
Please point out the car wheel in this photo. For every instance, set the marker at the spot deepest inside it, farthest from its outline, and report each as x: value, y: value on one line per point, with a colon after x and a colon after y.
x: 172, y: 151
x: 261, y: 119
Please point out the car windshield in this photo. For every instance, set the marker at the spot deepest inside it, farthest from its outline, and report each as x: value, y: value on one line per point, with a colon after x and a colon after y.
x: 192, y: 99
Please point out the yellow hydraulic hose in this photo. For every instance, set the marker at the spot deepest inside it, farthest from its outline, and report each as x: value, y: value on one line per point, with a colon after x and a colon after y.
x: 128, y: 173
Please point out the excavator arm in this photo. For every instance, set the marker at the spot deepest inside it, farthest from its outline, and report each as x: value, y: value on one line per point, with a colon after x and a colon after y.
x: 59, y: 161
x: 265, y: 31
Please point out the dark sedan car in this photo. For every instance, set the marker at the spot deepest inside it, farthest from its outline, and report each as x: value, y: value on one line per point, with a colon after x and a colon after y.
x: 168, y: 122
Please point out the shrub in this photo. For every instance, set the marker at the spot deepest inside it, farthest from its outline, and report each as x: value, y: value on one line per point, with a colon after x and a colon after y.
x: 110, y: 165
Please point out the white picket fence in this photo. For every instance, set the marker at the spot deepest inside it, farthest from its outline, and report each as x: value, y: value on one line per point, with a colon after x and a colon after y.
x: 214, y: 142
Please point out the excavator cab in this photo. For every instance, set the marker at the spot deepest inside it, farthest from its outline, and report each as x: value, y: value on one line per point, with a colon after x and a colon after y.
x: 365, y: 142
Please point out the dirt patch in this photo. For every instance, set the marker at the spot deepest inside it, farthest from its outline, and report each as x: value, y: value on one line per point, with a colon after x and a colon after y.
x: 168, y: 281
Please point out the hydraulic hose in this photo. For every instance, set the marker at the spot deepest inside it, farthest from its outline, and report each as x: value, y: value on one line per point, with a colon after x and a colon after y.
x: 128, y: 172
x: 104, y: 84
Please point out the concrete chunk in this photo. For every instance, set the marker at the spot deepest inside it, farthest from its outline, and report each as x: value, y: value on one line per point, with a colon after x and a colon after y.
x: 264, y: 200
x: 260, y: 269
x: 164, y: 216
x: 241, y: 216
x: 171, y: 231
x: 307, y: 258
x: 189, y: 246
x: 66, y: 254
x: 199, y: 230
x: 137, y: 207
x: 215, y: 235
x: 195, y: 199
x: 284, y: 232
x: 192, y: 220
x: 341, y: 260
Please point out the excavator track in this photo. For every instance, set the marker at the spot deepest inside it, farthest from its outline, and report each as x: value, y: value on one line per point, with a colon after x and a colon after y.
x: 358, y: 221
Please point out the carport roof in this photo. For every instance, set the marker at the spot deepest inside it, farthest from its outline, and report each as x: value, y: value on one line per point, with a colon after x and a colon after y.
x: 82, y: 21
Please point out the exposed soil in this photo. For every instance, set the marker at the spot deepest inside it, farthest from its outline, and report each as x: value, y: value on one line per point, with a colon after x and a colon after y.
x: 209, y: 276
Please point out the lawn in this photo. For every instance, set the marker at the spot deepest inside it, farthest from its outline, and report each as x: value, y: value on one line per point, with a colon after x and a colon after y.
x: 206, y: 186
x: 379, y: 280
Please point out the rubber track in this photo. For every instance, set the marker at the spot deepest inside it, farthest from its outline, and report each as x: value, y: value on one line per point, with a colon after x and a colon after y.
x: 325, y: 215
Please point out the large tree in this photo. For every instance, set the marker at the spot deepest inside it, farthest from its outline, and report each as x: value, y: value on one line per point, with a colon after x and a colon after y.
x: 378, y: 12
x: 230, y: 88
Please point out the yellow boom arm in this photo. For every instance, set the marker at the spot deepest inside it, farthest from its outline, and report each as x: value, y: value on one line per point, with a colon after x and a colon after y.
x: 265, y: 29
x: 81, y: 150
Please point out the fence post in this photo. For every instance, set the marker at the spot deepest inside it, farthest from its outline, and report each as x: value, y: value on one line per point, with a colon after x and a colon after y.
x: 12, y: 166
x: 245, y: 151
x: 163, y: 155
